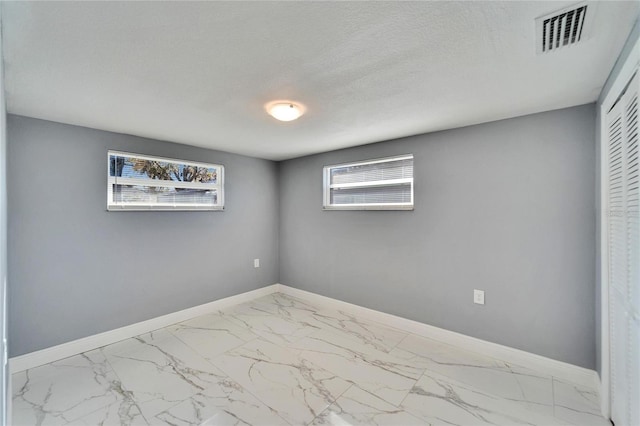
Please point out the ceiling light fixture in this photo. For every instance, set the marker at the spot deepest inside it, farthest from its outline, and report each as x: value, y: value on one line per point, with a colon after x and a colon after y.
x: 284, y: 110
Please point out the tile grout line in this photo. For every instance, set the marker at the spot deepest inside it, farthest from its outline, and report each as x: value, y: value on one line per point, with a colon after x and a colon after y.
x: 399, y: 342
x: 413, y: 386
x: 255, y: 337
x: 289, y: 350
x: 332, y: 402
x: 106, y: 359
x: 243, y: 387
x: 167, y: 329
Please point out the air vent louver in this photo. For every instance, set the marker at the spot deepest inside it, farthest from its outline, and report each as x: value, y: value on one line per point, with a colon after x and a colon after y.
x: 561, y: 28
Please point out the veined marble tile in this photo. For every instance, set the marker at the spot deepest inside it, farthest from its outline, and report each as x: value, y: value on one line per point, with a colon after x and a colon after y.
x: 366, y: 332
x: 294, y: 388
x: 66, y: 390
x: 531, y: 389
x: 357, y: 348
x: 388, y: 377
x: 19, y: 379
x: 118, y: 414
x: 279, y: 360
x: 433, y: 353
x: 357, y: 407
x: 285, y: 305
x: 133, y: 344
x: 225, y: 404
x: 577, y: 404
x: 211, y: 335
x: 278, y: 329
x: 161, y: 371
x: 438, y: 399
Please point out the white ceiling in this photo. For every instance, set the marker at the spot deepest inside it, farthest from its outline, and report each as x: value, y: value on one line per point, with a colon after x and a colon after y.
x: 199, y: 73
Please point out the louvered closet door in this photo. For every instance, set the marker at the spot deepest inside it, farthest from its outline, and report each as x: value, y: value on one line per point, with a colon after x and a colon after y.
x: 624, y: 256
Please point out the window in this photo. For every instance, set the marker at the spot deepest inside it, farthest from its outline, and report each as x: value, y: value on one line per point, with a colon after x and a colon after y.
x: 140, y: 182
x: 383, y: 184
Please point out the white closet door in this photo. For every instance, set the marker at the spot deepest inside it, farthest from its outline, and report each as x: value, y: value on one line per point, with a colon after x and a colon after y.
x: 624, y: 255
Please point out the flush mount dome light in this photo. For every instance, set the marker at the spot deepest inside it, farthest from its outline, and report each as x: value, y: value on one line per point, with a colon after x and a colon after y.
x: 285, y: 110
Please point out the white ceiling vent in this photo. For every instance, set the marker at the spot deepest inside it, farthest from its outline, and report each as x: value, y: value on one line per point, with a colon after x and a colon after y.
x: 564, y: 27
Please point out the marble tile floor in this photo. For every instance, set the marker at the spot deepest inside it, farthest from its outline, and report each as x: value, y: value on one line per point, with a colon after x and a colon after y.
x: 278, y: 360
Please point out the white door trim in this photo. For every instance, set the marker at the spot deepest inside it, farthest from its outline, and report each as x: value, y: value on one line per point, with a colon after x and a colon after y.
x: 626, y: 72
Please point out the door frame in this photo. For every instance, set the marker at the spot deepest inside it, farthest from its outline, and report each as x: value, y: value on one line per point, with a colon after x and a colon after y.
x: 630, y: 66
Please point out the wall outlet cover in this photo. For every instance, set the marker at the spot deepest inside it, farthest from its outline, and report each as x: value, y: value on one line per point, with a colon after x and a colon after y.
x: 478, y: 297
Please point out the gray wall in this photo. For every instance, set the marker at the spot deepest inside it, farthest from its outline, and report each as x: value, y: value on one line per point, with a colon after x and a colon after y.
x: 626, y: 50
x: 76, y: 269
x: 506, y: 207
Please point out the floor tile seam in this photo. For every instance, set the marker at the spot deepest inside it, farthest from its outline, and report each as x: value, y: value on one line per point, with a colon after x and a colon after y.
x: 32, y: 406
x: 400, y: 404
x: 46, y: 377
x: 220, y: 319
x: 298, y: 322
x: 407, y: 334
x: 576, y: 384
x: 244, y: 389
x: 136, y: 402
x: 306, y: 360
x: 521, y: 403
x: 28, y: 379
x: 227, y: 376
x: 130, y: 393
x: 334, y: 400
x: 508, y: 364
x: 507, y: 367
x: 456, y: 382
x: 303, y: 313
x: 366, y: 358
x: 233, y: 318
x: 276, y: 412
x: 205, y: 358
x: 476, y: 389
x: 351, y: 338
x: 106, y: 406
x: 577, y: 410
x: 373, y: 321
x: 596, y: 412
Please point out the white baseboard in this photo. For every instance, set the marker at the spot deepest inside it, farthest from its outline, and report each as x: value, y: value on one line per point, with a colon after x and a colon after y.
x: 559, y: 369
x: 58, y: 352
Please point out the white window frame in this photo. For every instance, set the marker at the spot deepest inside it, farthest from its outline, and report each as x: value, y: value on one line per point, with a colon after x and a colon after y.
x: 365, y: 206
x: 112, y: 180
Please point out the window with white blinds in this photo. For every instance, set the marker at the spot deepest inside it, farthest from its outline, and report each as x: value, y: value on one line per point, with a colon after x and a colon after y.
x: 381, y: 184
x: 140, y: 182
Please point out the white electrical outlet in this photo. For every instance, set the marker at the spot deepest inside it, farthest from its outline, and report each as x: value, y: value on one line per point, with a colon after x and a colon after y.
x: 256, y: 263
x: 478, y: 297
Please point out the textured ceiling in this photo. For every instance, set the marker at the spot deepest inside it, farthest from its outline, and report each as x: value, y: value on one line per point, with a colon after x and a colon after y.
x: 199, y: 73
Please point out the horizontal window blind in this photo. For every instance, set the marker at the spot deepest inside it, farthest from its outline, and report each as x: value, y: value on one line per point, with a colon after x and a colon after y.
x: 139, y: 182
x: 382, y: 184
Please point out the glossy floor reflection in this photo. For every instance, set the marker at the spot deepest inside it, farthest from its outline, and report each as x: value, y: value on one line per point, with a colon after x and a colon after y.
x: 281, y: 361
